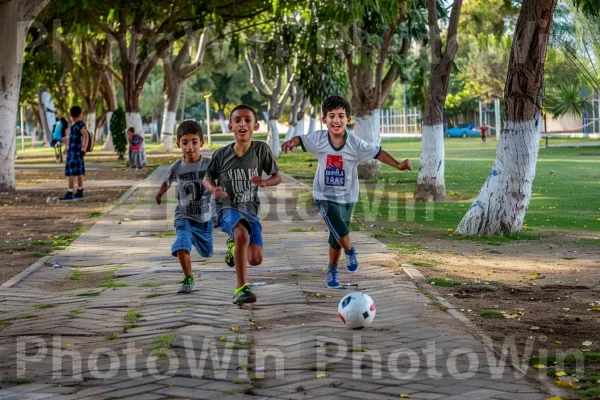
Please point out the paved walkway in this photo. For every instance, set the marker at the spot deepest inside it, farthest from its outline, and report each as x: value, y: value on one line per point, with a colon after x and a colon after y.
x: 123, y: 332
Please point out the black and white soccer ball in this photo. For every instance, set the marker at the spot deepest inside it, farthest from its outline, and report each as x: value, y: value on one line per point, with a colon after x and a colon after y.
x: 357, y: 310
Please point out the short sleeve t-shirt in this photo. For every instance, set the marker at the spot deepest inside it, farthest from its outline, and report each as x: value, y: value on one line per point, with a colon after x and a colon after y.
x: 233, y: 174
x: 75, y: 138
x: 194, y: 202
x: 336, y: 178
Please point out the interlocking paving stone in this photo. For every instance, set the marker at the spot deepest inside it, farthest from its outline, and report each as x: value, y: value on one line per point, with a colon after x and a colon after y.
x: 289, y: 343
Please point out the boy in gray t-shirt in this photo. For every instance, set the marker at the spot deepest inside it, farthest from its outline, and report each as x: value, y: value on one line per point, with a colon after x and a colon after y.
x: 195, y: 205
x: 335, y: 188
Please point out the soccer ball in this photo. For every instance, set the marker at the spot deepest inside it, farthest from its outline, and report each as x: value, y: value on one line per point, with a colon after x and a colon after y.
x: 357, y: 310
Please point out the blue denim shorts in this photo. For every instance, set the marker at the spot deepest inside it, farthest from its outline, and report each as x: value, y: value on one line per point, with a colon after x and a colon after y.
x: 189, y: 233
x: 230, y: 217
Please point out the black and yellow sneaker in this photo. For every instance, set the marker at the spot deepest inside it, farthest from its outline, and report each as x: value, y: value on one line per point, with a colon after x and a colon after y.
x: 229, y: 259
x: 243, y: 295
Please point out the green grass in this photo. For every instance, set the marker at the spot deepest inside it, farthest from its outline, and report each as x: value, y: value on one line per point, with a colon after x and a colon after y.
x: 424, y: 263
x: 162, y: 344
x: 112, y: 285
x: 569, y: 258
x: 4, y: 323
x: 297, y: 230
x: 405, y: 248
x: 74, y: 313
x: 112, y: 336
x: 149, y: 284
x: 358, y: 350
x: 468, y: 163
x: 42, y: 306
x: 491, y: 314
x: 19, y: 381
x: 27, y: 316
x: 132, y: 316
x: 589, y: 380
x: 442, y: 282
x: 76, y: 276
x: 88, y: 294
x: 153, y: 295
x: 166, y: 234
x: 95, y: 214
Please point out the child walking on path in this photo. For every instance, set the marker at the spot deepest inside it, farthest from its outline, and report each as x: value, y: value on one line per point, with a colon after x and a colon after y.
x: 237, y: 171
x: 75, y: 164
x: 195, y: 207
x: 335, y: 188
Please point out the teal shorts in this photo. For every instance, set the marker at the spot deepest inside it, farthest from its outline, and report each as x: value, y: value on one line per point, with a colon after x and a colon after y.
x: 337, y: 217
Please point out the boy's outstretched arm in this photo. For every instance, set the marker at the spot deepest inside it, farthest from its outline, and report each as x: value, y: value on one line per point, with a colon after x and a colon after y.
x: 217, y: 191
x: 273, y: 180
x: 163, y: 189
x: 290, y: 145
x: 386, y: 158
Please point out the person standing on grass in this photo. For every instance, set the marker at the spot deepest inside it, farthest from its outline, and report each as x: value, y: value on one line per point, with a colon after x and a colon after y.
x: 77, y: 145
x: 336, y: 179
x: 195, y: 207
x: 233, y: 177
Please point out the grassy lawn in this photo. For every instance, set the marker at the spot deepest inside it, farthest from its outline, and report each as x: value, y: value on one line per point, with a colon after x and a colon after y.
x: 565, y: 191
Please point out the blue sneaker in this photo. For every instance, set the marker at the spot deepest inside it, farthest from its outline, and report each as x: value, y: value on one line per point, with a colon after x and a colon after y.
x: 351, y: 261
x: 333, y: 279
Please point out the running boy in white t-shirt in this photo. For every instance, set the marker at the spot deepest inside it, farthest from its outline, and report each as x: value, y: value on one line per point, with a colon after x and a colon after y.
x: 335, y: 187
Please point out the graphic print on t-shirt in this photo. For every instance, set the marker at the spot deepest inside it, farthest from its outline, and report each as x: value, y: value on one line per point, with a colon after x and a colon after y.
x: 195, y: 204
x: 334, y: 171
x: 243, y: 190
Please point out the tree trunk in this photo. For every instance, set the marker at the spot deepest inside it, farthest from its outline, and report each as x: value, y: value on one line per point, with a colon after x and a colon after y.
x: 430, y: 184
x: 90, y: 123
x: 273, y: 137
x: 223, y: 121
x: 108, y: 145
x: 367, y: 128
x: 12, y: 32
x: 313, y: 121
x: 502, y: 201
x: 170, y: 114
x: 291, y: 132
x: 300, y: 127
x: 135, y: 119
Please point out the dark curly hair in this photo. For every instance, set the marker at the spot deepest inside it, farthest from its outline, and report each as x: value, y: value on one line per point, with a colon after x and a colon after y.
x: 333, y: 102
x: 189, y: 126
x: 244, y: 107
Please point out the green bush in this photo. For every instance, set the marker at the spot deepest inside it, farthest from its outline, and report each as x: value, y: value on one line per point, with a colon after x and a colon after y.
x: 118, y: 126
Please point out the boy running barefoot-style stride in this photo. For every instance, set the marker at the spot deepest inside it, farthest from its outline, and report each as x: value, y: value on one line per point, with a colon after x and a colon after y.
x: 195, y: 206
x: 233, y: 177
x: 335, y: 187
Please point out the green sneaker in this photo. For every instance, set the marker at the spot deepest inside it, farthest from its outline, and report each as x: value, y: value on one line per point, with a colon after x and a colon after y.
x: 229, y: 259
x: 188, y: 284
x: 243, y: 295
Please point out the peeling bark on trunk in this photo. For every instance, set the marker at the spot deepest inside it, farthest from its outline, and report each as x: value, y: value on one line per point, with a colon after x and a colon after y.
x: 502, y: 202
x: 367, y: 128
x: 13, y: 29
x: 430, y: 184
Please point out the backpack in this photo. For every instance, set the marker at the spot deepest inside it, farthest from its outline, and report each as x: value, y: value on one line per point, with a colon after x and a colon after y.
x: 90, y: 143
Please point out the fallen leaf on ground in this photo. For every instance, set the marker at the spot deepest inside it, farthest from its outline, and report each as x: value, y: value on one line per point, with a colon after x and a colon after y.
x: 321, y: 376
x: 539, y: 366
x: 586, y: 343
x: 404, y: 396
x: 569, y: 385
x: 561, y: 373
x: 235, y: 328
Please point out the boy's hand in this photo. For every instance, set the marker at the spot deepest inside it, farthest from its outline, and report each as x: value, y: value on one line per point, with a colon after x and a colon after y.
x: 219, y: 193
x: 405, y: 165
x: 289, y: 145
x: 258, y: 181
x: 158, y: 198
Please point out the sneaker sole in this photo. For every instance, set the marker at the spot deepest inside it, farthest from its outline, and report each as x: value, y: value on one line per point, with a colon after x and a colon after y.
x: 247, y: 300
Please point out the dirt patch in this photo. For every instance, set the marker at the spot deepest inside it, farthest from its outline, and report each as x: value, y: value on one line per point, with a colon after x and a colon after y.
x: 543, y: 291
x: 79, y: 279
x: 31, y: 227
x: 33, y: 175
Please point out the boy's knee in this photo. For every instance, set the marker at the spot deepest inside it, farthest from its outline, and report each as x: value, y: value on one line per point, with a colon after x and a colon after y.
x: 255, y: 259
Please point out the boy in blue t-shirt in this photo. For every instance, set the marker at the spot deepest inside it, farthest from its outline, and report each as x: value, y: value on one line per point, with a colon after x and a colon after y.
x: 335, y: 188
